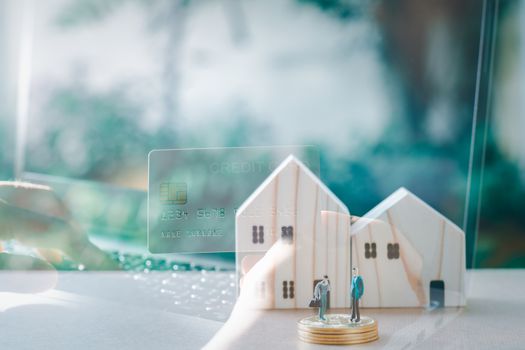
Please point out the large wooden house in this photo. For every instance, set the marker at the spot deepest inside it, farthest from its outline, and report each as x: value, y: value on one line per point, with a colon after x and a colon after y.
x: 293, y: 206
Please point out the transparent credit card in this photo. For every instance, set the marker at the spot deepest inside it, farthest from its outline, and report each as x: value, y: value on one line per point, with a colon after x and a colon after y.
x: 194, y: 193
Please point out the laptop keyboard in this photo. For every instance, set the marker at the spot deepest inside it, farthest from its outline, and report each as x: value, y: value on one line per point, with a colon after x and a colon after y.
x: 197, y: 290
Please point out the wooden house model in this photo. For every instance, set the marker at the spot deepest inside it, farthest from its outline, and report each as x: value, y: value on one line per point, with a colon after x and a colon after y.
x: 288, y: 207
x: 408, y: 253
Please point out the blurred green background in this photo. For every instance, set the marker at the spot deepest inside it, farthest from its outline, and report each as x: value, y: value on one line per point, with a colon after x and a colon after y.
x: 385, y: 89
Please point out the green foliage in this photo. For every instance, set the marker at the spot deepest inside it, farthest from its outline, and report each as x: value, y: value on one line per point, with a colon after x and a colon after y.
x: 82, y: 12
x: 342, y: 9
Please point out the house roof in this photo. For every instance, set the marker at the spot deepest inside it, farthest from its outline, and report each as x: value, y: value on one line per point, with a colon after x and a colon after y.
x: 291, y: 159
x: 390, y: 202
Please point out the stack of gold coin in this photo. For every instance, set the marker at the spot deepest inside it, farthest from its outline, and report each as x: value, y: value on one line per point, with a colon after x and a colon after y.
x: 337, y: 329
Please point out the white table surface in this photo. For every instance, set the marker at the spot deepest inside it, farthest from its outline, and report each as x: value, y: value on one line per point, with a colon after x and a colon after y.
x: 121, y: 310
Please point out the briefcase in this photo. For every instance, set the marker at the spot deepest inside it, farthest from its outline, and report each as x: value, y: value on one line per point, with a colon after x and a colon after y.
x: 315, y: 303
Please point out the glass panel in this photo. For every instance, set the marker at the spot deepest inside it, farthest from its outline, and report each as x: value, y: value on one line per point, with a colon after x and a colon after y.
x: 385, y: 89
x: 502, y: 210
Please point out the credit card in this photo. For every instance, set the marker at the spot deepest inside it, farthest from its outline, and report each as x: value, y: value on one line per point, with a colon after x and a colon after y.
x: 193, y: 194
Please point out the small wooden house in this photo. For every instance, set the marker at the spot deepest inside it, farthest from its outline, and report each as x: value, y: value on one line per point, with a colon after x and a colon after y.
x: 409, y: 255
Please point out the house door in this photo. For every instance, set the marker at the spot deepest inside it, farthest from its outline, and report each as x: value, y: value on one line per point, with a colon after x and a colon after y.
x: 327, y: 294
x: 437, y: 293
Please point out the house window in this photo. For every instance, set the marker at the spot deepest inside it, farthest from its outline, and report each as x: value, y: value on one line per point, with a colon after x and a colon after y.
x: 370, y: 251
x: 287, y: 234
x: 288, y: 289
x: 257, y: 234
x: 261, y: 234
x: 392, y: 250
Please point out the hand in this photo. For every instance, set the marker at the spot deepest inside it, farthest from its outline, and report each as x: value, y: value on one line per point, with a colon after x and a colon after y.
x: 247, y: 308
x: 35, y: 216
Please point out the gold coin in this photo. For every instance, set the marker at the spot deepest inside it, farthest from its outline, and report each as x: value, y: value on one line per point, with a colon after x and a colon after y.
x: 336, y: 323
x: 359, y: 330
x: 309, y: 336
x: 337, y: 329
x: 336, y: 342
x: 351, y: 336
x: 322, y: 340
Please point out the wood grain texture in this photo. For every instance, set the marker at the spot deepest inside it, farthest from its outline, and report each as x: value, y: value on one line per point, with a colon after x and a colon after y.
x: 431, y: 248
x: 414, y: 244
x: 293, y: 200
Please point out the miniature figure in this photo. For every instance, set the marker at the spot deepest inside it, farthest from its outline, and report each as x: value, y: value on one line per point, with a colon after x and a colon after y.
x: 356, y: 294
x: 337, y: 329
x: 321, y: 290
